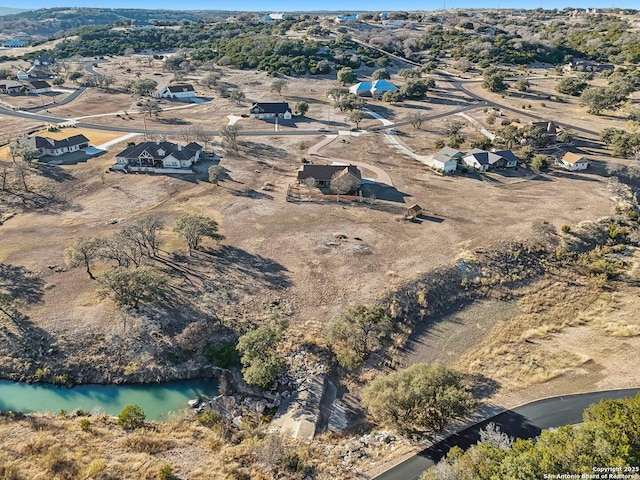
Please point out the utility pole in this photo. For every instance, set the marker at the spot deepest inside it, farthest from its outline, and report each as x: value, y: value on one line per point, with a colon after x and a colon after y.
x: 144, y: 121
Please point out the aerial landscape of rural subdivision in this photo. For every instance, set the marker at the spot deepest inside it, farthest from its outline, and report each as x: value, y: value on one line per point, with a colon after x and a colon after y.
x: 330, y: 244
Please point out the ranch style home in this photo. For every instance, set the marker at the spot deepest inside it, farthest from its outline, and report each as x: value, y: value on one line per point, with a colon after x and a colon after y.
x: 323, y: 174
x: 482, y: 160
x: 176, y: 92
x: 10, y: 87
x: 50, y: 146
x: 264, y: 110
x: 158, y: 157
x: 38, y: 86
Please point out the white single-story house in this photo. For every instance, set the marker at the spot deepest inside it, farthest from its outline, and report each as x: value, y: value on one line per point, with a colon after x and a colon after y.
x: 375, y: 89
x: 572, y: 161
x: 184, y: 90
x: 23, y: 76
x: 158, y: 157
x: 444, y: 163
x: 53, y: 147
x: 264, y: 110
x: 38, y: 86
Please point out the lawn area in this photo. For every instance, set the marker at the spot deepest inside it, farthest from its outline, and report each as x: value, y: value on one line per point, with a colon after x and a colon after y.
x: 96, y: 137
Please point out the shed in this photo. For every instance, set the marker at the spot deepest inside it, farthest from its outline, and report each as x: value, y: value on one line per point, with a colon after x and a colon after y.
x: 414, y: 211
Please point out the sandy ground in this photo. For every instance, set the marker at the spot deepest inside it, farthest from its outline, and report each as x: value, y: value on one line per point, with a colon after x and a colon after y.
x: 317, y: 275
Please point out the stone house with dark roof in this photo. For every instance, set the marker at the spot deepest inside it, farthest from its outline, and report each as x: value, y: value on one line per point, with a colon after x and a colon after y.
x: 158, y: 157
x: 323, y: 174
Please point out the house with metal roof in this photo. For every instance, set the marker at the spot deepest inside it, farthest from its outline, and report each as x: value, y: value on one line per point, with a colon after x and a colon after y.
x: 13, y: 44
x: 375, y: 89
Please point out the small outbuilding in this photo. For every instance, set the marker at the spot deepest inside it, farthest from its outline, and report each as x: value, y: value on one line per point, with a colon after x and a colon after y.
x: 444, y: 164
x: 572, y: 162
x: 414, y: 211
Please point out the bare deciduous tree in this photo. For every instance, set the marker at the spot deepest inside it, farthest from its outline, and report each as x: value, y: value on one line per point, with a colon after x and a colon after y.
x: 229, y: 134
x: 21, y: 170
x: 341, y: 183
x: 416, y: 119
x: 310, y: 182
x: 83, y: 252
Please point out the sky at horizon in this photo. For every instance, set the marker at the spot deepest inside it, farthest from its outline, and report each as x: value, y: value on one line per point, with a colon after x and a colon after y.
x: 328, y: 5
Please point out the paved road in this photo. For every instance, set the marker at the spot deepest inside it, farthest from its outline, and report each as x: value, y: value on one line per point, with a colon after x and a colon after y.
x: 526, y: 421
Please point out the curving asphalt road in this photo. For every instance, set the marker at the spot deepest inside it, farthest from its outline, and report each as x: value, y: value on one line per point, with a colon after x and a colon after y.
x: 526, y: 421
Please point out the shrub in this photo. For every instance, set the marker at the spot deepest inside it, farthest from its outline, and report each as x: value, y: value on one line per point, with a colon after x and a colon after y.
x: 540, y: 162
x: 61, y: 379
x: 165, y: 472
x: 209, y: 418
x: 85, y: 424
x: 565, y: 228
x: 131, y: 417
x: 224, y: 355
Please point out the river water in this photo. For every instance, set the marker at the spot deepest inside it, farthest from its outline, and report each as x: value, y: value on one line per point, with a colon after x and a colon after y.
x: 157, y: 400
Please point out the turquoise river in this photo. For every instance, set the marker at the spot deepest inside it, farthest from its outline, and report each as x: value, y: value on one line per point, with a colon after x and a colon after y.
x: 157, y: 400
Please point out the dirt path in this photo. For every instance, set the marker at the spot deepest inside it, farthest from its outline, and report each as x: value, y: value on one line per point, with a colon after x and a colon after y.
x: 381, y: 175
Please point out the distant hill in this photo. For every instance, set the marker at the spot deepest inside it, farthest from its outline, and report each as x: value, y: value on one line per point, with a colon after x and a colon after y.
x: 46, y: 22
x: 11, y: 11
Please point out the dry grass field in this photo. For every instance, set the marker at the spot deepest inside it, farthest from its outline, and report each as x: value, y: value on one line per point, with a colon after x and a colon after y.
x: 288, y: 252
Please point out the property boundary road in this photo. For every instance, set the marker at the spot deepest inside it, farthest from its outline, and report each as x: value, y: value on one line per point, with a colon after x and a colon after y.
x: 525, y: 421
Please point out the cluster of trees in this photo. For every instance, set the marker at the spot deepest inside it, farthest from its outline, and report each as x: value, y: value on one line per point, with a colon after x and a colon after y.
x: 607, y: 438
x: 573, y: 86
x: 493, y: 80
x: 141, y: 87
x: 360, y: 331
x: 243, y: 45
x: 345, y: 100
x: 622, y: 143
x: 419, y: 399
x: 133, y: 280
x: 598, y: 99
